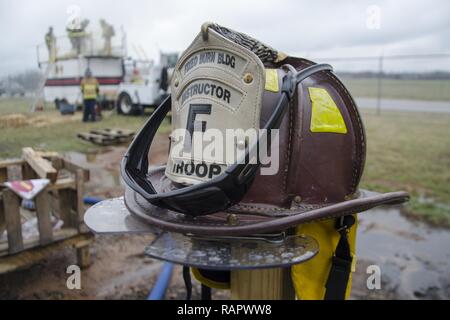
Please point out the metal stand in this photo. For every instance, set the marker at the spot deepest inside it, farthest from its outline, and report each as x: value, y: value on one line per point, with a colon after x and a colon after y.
x: 260, y: 264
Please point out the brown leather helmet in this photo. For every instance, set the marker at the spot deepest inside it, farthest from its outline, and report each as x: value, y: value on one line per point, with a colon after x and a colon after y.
x: 227, y: 80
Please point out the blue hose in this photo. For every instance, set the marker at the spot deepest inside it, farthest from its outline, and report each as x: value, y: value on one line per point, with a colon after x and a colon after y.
x: 159, y: 289
x: 91, y: 200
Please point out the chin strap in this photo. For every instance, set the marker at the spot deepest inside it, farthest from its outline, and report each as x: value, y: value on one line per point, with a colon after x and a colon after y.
x: 206, y: 292
x: 187, y: 282
x: 338, y: 277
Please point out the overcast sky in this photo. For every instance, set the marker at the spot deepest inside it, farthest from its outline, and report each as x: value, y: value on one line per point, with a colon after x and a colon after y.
x: 310, y: 29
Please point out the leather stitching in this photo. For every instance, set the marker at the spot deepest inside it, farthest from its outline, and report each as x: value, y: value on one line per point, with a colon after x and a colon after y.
x: 289, y: 148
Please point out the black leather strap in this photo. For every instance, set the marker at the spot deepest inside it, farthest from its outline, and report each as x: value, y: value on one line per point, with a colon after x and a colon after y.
x: 206, y: 292
x: 187, y: 282
x: 337, y: 281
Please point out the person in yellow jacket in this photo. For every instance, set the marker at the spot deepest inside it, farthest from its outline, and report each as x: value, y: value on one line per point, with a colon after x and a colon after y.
x: 50, y: 41
x: 77, y: 36
x: 89, y: 89
x: 107, y: 34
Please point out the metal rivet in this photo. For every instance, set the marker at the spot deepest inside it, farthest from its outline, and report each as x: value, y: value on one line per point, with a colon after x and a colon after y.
x: 241, y: 144
x: 297, y: 199
x: 248, y: 78
x: 232, y: 219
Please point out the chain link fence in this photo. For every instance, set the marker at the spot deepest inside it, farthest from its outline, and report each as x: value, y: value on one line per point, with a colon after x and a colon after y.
x: 401, y: 82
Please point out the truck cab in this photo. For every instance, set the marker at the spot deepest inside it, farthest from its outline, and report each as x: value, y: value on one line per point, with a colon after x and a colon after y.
x: 145, y: 83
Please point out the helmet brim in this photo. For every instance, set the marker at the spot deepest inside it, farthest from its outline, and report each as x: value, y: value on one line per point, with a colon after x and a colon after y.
x: 245, y: 222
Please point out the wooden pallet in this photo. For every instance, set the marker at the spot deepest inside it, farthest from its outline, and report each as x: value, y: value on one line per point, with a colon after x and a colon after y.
x: 107, y: 137
x: 26, y: 258
x: 63, y: 196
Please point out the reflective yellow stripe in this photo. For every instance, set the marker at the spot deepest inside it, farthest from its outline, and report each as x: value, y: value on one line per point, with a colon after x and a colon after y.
x: 325, y: 115
x: 89, y: 90
x: 76, y: 33
x: 272, y: 80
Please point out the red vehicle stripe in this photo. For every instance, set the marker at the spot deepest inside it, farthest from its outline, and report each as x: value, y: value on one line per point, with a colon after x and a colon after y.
x: 76, y: 81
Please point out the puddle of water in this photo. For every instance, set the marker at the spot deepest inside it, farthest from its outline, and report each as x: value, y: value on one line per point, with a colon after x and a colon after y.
x: 414, y: 258
x: 103, y: 167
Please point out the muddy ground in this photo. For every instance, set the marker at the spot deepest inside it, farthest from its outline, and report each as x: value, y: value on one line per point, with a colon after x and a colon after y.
x: 414, y: 258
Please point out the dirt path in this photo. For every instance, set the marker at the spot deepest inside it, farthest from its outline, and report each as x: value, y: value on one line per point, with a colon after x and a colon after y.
x: 414, y: 259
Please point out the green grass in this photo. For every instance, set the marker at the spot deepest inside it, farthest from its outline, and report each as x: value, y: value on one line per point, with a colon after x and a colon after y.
x: 400, y: 89
x: 59, y: 137
x: 14, y: 105
x: 411, y: 151
x: 434, y: 213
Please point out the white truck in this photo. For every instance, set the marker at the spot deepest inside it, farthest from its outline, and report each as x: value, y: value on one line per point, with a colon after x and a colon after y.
x: 129, y: 85
x: 64, y: 72
x: 145, y: 83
